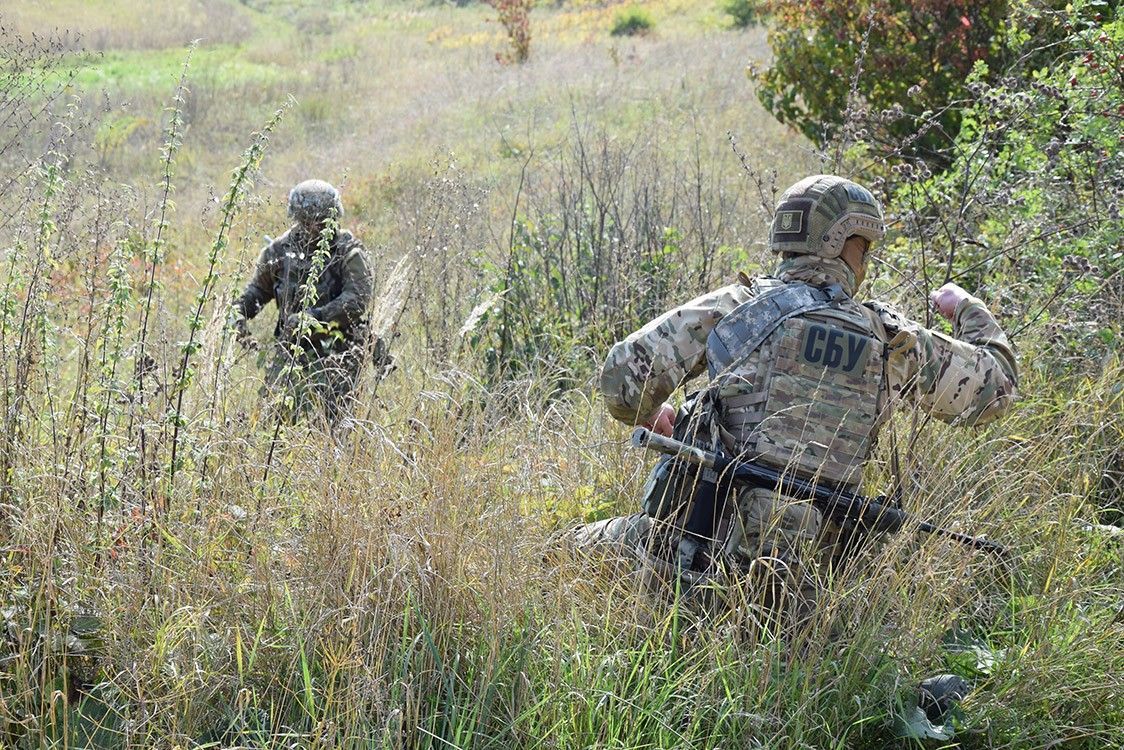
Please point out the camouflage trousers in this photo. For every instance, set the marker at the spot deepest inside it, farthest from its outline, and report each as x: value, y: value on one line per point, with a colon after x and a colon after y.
x: 299, y: 383
x: 765, y: 566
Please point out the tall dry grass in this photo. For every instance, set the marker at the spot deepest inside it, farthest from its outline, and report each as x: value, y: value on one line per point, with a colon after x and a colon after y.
x: 401, y: 590
x: 178, y: 570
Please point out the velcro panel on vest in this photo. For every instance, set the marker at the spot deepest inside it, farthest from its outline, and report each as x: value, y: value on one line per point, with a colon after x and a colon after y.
x: 741, y: 332
x: 821, y: 400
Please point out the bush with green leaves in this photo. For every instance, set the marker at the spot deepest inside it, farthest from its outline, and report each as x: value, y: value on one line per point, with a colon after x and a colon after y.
x: 632, y: 22
x: 831, y: 55
x: 1029, y: 209
x: 745, y: 13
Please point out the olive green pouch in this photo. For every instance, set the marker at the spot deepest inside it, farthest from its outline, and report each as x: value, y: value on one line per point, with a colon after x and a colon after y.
x: 671, y: 483
x: 661, y: 496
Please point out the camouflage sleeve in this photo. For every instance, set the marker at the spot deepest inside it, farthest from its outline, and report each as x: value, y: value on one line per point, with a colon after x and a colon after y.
x: 348, y: 308
x: 259, y: 292
x: 644, y: 369
x: 969, y: 378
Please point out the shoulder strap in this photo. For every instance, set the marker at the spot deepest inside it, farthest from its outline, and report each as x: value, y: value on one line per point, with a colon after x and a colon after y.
x: 738, y: 335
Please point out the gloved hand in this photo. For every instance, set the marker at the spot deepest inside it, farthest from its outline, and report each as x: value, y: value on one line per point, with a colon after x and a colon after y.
x: 662, y: 421
x: 242, y: 334
x: 946, y: 299
x: 300, y: 323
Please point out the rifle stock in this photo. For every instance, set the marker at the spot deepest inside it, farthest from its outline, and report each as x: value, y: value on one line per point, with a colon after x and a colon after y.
x: 842, y: 506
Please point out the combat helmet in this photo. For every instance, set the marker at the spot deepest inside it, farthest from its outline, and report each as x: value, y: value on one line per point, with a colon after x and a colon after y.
x: 314, y: 200
x: 817, y: 215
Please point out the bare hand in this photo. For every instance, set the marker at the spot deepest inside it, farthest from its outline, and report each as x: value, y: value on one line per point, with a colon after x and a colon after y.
x: 662, y: 422
x: 947, y: 298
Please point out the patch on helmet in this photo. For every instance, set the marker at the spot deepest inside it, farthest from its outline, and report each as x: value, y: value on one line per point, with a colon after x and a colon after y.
x: 859, y: 194
x: 789, y: 222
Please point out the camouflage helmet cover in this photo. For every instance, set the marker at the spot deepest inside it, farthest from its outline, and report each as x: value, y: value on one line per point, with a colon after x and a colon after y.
x: 817, y: 215
x: 314, y: 200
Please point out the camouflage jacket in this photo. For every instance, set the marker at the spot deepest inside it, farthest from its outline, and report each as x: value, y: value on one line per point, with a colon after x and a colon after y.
x: 968, y: 378
x: 343, y: 290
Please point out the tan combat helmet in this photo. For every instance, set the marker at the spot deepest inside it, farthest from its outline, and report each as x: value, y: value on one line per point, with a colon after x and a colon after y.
x: 313, y: 201
x: 817, y: 215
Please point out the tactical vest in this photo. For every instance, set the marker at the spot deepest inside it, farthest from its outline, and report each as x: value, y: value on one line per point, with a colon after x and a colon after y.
x: 797, y: 372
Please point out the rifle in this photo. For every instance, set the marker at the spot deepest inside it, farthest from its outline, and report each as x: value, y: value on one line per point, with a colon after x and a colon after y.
x: 842, y: 506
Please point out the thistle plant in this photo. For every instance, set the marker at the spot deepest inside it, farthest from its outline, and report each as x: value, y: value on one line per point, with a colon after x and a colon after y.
x: 240, y: 184
x: 173, y: 139
x: 33, y: 326
x: 110, y: 350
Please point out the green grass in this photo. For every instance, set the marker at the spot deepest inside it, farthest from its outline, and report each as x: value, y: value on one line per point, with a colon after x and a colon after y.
x: 431, y: 612
x: 352, y: 119
x: 153, y: 73
x: 108, y: 25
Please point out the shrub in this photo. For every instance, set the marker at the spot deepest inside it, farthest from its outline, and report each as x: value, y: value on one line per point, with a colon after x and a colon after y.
x: 744, y: 13
x: 1028, y: 208
x: 632, y: 22
x: 613, y: 233
x: 913, y: 54
x: 515, y: 16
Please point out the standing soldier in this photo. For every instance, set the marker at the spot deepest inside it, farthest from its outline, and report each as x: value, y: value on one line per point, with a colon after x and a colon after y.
x: 801, y: 378
x: 321, y: 329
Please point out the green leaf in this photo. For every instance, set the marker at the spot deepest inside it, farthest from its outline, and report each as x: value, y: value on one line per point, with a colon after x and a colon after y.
x: 969, y: 656
x: 916, y: 726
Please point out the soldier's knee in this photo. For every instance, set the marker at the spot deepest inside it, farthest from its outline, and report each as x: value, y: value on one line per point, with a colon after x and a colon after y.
x: 781, y: 590
x: 623, y: 532
x: 776, y: 523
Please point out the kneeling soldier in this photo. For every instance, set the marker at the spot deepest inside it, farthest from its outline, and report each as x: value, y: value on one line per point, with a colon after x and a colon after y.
x: 802, y: 376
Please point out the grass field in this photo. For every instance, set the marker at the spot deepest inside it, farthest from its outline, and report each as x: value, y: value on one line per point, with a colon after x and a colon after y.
x: 382, y: 91
x: 404, y: 585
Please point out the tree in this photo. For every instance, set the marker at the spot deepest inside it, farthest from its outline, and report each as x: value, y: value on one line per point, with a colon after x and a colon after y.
x: 914, y: 54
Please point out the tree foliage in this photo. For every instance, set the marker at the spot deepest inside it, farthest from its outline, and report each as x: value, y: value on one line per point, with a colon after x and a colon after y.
x: 745, y: 13
x: 912, y: 53
x: 1029, y: 206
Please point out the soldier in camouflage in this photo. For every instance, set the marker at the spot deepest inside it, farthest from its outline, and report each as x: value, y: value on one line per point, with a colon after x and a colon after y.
x: 321, y: 329
x: 802, y: 377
